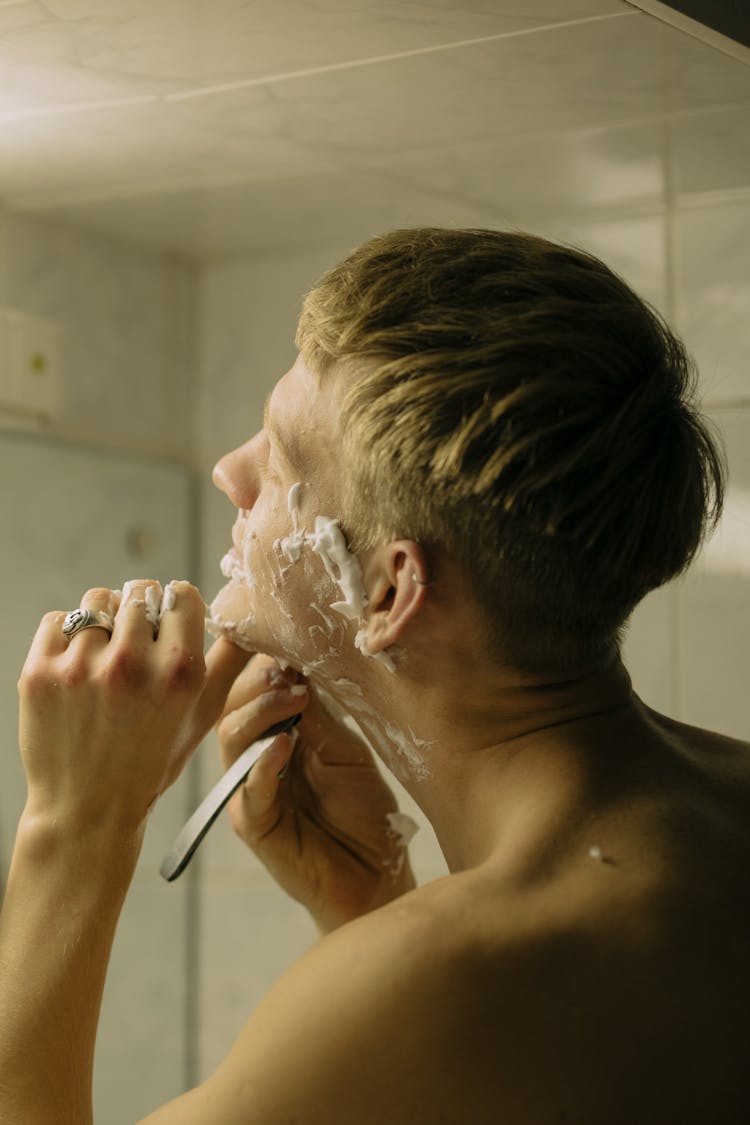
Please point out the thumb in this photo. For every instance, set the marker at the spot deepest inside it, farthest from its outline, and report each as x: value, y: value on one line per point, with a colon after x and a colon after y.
x: 224, y: 662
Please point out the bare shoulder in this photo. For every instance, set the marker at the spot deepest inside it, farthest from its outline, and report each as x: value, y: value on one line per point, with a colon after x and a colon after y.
x: 594, y: 996
x: 390, y: 1018
x: 465, y: 1000
x: 729, y: 749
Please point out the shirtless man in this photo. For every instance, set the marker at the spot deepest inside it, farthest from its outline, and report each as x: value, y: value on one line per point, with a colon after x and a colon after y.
x: 505, y: 436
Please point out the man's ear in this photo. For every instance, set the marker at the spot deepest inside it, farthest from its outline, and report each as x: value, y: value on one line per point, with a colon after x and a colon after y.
x: 396, y: 583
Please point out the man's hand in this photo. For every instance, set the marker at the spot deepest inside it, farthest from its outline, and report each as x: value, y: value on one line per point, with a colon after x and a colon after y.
x: 315, y: 807
x: 108, y: 723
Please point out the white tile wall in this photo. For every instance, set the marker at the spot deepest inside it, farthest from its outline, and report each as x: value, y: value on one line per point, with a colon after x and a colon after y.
x: 712, y: 277
x: 663, y: 199
x: 633, y: 245
x: 714, y: 604
x: 649, y: 650
x: 126, y: 315
x: 76, y: 516
x: 712, y: 270
x: 250, y: 933
x: 73, y: 515
x: 141, y: 1046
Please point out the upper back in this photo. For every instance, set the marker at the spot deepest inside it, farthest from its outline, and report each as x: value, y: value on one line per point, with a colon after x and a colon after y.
x: 603, y: 989
x: 615, y: 976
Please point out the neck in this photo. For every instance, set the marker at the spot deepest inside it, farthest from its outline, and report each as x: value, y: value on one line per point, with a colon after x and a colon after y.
x: 487, y: 757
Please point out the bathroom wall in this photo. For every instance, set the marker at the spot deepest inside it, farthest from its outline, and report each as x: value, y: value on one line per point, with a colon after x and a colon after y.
x: 98, y: 495
x: 664, y: 209
x: 313, y: 130
x: 127, y: 323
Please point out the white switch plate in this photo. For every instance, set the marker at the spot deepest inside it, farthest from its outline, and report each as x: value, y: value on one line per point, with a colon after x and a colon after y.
x: 29, y: 364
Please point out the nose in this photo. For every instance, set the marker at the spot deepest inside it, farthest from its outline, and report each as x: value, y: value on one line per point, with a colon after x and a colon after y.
x: 235, y: 475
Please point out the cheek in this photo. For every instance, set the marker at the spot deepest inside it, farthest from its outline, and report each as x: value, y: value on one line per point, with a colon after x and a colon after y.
x: 285, y: 578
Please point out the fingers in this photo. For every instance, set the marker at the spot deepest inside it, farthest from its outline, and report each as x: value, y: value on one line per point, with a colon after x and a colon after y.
x: 113, y: 709
x: 260, y: 674
x: 50, y: 641
x: 240, y: 728
x: 223, y: 662
x: 138, y: 616
x: 180, y: 617
x: 340, y: 745
x: 143, y: 614
x: 224, y: 665
x: 92, y: 640
x: 258, y: 809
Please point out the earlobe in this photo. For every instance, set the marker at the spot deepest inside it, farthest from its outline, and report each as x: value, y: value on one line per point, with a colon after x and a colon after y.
x: 397, y: 588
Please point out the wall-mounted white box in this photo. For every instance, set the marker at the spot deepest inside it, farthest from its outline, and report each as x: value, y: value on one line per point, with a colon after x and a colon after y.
x: 29, y: 364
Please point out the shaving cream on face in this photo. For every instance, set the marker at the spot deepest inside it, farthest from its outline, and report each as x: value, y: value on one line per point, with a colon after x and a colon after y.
x: 403, y: 752
x: 291, y: 545
x: 402, y: 827
x: 342, y: 567
x: 360, y: 642
x: 401, y: 830
x: 328, y: 623
x: 292, y: 502
x: 408, y: 747
x: 311, y: 646
x: 231, y: 567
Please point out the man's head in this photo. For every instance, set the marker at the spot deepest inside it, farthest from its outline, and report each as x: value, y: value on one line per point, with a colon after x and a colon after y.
x: 513, y: 406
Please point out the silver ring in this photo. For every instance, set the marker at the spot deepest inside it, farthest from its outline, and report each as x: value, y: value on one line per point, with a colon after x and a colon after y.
x: 79, y: 619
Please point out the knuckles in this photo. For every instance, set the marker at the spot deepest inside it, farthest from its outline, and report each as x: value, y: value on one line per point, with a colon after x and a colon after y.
x: 122, y: 669
x: 183, y: 671
x: 39, y: 679
x: 132, y: 669
x: 125, y: 670
x: 36, y: 681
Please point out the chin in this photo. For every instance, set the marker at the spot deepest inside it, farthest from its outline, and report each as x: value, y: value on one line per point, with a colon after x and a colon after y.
x: 233, y: 615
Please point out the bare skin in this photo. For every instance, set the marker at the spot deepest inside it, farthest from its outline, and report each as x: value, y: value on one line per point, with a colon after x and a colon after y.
x: 539, y: 982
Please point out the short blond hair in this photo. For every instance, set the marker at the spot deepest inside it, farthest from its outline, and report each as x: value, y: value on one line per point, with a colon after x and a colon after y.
x: 516, y: 405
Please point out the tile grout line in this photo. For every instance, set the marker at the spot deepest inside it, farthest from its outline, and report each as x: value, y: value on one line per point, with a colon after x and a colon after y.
x: 394, y: 56
x: 292, y: 75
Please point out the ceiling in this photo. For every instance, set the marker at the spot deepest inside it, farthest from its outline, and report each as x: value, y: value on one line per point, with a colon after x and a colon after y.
x: 217, y: 127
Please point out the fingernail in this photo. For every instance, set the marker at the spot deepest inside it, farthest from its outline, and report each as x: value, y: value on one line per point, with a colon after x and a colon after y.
x: 294, y: 735
x: 288, y: 695
x: 276, y: 678
x: 298, y: 689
